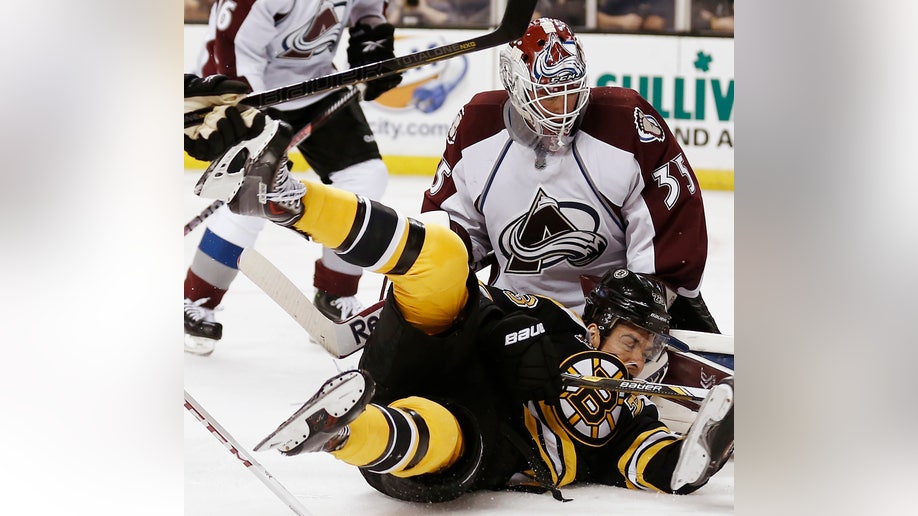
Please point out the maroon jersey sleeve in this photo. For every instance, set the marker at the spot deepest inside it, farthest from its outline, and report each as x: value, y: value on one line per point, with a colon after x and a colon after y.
x: 221, y: 51
x: 622, y: 118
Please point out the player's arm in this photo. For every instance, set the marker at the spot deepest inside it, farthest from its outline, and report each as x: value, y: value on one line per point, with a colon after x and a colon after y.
x: 666, y: 227
x: 450, y: 193
x: 671, y: 203
x: 372, y: 39
x: 244, y: 31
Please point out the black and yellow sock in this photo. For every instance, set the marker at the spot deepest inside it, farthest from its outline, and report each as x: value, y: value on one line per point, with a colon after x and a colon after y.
x: 412, y: 436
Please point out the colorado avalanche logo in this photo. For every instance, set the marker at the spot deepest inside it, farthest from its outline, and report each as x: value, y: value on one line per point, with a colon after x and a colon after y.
x: 550, y: 233
x: 648, y: 128
x: 557, y: 63
x: 591, y: 415
x: 320, y: 35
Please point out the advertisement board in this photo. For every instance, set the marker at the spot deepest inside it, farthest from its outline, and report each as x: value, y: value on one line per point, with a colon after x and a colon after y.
x: 689, y: 80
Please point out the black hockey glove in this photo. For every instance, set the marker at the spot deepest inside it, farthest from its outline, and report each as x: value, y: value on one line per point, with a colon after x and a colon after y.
x: 226, y: 124
x: 527, y: 357
x: 370, y: 45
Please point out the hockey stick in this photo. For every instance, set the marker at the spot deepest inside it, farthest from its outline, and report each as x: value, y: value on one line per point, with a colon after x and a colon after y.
x: 305, y: 132
x: 247, y: 460
x: 347, y: 337
x: 338, y: 339
x: 512, y: 25
x: 662, y: 390
x: 199, y: 218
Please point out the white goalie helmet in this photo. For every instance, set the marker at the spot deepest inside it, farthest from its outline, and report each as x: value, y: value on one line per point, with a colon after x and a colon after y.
x: 545, y: 74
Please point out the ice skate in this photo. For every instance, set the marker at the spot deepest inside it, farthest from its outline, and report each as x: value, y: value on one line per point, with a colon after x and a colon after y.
x: 321, y: 423
x: 709, y: 442
x: 254, y: 178
x: 201, y: 329
x: 337, y: 308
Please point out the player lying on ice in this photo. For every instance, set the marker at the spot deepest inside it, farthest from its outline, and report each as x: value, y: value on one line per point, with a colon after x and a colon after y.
x: 459, y: 386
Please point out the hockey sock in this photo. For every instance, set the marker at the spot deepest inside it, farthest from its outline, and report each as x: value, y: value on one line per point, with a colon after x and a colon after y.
x: 412, y: 436
x: 428, y: 265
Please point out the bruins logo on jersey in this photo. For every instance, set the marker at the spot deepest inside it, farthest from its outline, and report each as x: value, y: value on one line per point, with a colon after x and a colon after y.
x: 590, y: 415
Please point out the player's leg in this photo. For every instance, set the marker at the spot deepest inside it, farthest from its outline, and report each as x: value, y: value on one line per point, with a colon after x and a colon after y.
x: 343, y: 152
x: 213, y: 269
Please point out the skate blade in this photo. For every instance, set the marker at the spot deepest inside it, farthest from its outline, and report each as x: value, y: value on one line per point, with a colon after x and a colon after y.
x: 335, y: 397
x: 200, y: 346
x: 693, y: 465
x: 224, y: 176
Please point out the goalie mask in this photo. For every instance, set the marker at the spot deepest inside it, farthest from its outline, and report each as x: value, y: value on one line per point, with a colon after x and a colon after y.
x: 545, y: 75
x: 635, y: 298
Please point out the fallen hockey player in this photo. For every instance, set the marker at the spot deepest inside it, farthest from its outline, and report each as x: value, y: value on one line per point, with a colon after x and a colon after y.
x: 459, y: 386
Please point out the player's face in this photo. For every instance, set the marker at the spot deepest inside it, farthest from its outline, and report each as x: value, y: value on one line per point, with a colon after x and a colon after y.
x: 631, y: 344
x: 555, y: 105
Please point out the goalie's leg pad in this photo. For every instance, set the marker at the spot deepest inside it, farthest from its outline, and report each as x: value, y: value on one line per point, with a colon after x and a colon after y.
x: 324, y: 417
x: 709, y: 442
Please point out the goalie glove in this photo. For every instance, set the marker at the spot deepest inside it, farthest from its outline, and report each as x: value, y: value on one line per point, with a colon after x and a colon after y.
x: 225, y: 124
x: 370, y: 45
x: 527, y: 358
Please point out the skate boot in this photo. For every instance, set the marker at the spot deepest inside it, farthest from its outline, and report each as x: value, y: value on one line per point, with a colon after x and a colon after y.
x: 201, y: 329
x: 254, y: 178
x: 321, y: 423
x: 709, y: 442
x: 337, y: 308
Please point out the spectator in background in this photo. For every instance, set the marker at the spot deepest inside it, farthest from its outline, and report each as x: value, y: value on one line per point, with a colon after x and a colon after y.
x: 197, y: 11
x: 635, y: 15
x: 712, y: 15
x: 438, y: 13
x: 572, y: 12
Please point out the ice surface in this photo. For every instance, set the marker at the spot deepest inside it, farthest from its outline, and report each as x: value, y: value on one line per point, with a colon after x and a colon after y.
x: 265, y: 368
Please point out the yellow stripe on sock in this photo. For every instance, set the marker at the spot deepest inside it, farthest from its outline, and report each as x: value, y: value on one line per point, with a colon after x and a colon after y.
x: 328, y: 214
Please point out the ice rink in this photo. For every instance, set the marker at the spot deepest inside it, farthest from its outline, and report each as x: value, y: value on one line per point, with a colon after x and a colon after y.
x: 265, y: 368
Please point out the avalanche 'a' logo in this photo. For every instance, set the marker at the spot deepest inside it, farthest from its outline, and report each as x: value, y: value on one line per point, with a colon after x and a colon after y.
x: 549, y: 233
x: 319, y: 35
x: 559, y: 63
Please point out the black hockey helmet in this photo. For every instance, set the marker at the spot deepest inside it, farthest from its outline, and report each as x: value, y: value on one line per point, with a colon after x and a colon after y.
x: 626, y: 295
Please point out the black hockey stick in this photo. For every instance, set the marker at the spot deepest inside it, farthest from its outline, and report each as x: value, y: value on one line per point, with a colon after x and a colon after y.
x: 512, y: 25
x: 662, y: 390
x: 199, y: 218
x: 247, y: 460
x: 305, y: 132
x: 341, y: 339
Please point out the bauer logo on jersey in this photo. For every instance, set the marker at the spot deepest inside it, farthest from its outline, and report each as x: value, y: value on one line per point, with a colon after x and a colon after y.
x: 591, y: 415
x: 647, y: 127
x: 319, y: 35
x: 549, y: 233
x: 524, y: 334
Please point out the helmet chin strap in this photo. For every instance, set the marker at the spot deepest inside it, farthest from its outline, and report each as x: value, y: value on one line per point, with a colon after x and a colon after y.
x: 522, y: 132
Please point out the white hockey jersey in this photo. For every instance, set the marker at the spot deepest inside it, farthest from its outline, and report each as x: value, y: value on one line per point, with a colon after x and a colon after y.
x: 274, y: 43
x: 622, y: 194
